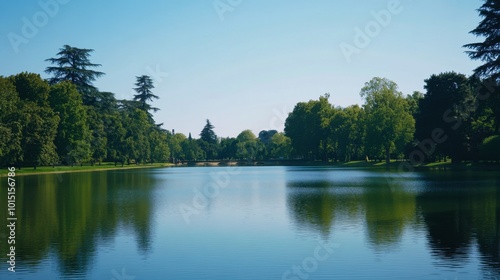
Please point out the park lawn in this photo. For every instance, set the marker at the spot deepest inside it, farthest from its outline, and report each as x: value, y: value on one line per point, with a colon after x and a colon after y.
x: 363, y: 163
x: 77, y: 168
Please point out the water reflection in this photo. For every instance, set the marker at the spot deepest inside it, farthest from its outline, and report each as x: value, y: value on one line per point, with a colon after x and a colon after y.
x: 388, y: 210
x: 435, y: 223
x: 71, y: 216
x: 461, y: 214
x: 458, y: 211
x: 312, y: 204
x: 383, y: 209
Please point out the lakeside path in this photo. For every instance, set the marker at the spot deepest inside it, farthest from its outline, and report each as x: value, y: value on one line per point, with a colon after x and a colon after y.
x: 68, y: 169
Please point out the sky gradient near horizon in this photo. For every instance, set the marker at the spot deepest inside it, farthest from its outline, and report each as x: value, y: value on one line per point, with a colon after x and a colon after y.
x: 246, y: 65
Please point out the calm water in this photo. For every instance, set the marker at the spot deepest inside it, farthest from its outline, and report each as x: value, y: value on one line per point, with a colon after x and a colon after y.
x: 255, y: 223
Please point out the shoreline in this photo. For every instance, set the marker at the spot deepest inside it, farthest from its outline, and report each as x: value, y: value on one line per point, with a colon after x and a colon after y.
x: 394, y: 165
x: 85, y: 168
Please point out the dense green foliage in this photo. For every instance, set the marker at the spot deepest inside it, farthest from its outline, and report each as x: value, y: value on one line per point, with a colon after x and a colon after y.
x: 487, y: 51
x: 144, y: 85
x: 66, y: 120
x: 45, y: 124
x: 73, y: 65
x: 389, y: 125
x: 451, y: 120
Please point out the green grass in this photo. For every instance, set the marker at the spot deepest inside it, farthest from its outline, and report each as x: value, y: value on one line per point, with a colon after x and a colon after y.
x: 362, y: 163
x: 78, y: 168
x: 438, y: 164
x: 350, y: 164
x: 396, y: 164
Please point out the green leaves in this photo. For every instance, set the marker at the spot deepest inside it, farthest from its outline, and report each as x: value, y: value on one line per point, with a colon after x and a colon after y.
x: 280, y: 146
x: 308, y: 128
x: 487, y: 51
x: 247, y: 145
x: 389, y: 125
x: 144, y: 85
x: 73, y: 133
x: 31, y: 87
x: 207, y: 133
x: 382, y: 127
x: 28, y: 125
x: 73, y: 65
x: 443, y: 107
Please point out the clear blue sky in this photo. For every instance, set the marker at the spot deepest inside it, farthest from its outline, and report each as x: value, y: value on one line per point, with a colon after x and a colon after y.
x: 247, y: 66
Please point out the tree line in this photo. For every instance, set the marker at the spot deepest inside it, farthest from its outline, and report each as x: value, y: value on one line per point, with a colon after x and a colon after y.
x: 269, y: 144
x: 457, y: 118
x: 67, y: 120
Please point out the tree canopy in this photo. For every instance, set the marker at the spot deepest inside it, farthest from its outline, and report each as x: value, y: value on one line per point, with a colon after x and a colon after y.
x: 389, y: 126
x: 73, y: 64
x: 144, y: 85
x: 487, y: 51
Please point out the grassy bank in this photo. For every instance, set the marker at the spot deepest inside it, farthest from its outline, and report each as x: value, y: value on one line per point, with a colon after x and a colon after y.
x: 352, y: 164
x: 433, y: 165
x: 78, y: 168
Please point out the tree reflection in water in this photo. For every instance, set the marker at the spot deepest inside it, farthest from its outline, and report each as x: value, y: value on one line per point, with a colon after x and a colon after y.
x: 73, y: 215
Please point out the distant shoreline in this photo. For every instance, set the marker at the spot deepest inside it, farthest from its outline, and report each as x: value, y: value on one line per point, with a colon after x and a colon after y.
x: 394, y: 165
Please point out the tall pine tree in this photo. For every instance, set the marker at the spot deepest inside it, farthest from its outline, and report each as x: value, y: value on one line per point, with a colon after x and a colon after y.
x: 144, y: 85
x: 487, y: 51
x: 73, y: 64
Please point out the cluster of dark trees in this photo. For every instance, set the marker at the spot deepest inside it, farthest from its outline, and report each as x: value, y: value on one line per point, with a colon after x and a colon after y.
x: 458, y: 117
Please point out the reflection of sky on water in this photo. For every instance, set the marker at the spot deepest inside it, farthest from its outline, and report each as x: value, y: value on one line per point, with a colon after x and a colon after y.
x: 416, y: 225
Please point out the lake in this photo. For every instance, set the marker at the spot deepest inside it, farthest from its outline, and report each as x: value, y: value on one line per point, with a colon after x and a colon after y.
x: 255, y: 223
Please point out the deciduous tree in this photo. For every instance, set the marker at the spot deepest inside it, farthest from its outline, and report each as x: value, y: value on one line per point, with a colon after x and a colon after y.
x: 308, y: 128
x: 389, y: 126
x: 445, y: 107
x: 73, y: 134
